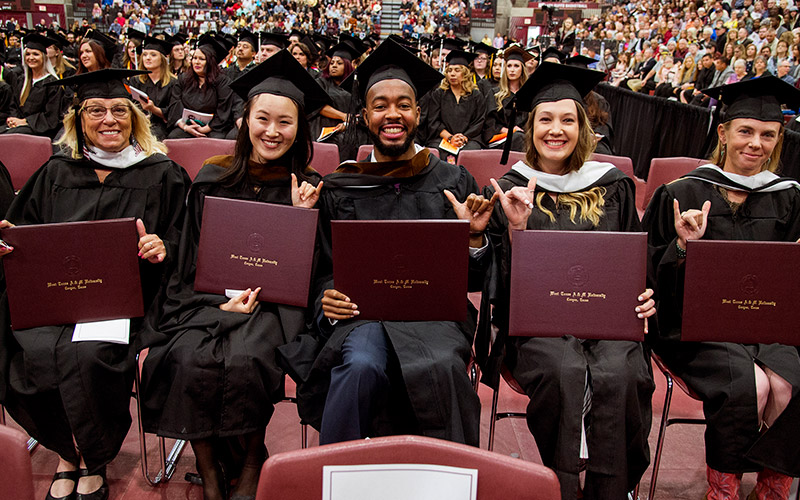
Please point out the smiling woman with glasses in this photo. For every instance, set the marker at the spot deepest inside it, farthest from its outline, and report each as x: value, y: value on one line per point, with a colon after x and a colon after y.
x: 77, y: 401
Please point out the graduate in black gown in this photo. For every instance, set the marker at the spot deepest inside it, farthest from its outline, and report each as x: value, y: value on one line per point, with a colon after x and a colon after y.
x: 95, y: 52
x: 247, y: 49
x: 36, y: 108
x: 364, y: 368
x: 157, y: 84
x: 74, y: 397
x: 598, y: 109
x: 216, y: 380
x: 457, y: 108
x: 203, y: 88
x: 750, y: 393
x: 7, y: 193
x: 590, y: 400
x: 499, y: 116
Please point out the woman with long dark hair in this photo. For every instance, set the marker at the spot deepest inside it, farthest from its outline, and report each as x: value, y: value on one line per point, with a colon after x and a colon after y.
x: 95, y: 52
x: 216, y: 380
x: 204, y: 89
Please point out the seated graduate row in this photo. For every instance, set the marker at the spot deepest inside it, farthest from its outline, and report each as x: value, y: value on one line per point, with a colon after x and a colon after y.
x: 216, y: 365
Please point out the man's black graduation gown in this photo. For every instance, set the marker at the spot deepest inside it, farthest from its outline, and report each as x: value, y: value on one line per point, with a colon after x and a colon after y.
x: 552, y: 371
x: 462, y: 116
x: 432, y: 356
x: 160, y: 95
x: 217, y: 375
x: 216, y: 98
x: 43, y: 109
x: 722, y: 373
x: 51, y: 386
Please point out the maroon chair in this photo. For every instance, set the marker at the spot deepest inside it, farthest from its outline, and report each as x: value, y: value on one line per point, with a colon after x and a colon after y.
x: 15, y: 462
x: 666, y: 170
x: 192, y: 153
x: 484, y: 164
x: 23, y: 155
x: 366, y: 149
x: 626, y: 165
x: 298, y: 474
x: 326, y: 158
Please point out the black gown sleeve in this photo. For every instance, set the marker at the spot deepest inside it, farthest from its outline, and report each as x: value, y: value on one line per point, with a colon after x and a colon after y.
x: 435, y: 122
x: 477, y: 105
x: 223, y: 116
x: 175, y: 106
x: 44, y: 107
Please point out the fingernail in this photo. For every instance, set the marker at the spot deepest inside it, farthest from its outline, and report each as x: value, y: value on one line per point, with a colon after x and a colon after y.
x: 355, y: 306
x: 640, y: 299
x: 140, y: 254
x: 640, y: 316
x: 637, y: 309
x: 356, y: 313
x: 530, y: 205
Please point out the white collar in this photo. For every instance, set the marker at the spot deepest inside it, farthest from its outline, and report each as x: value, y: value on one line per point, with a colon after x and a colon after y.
x: 589, y: 173
x: 131, y: 155
x: 762, y: 182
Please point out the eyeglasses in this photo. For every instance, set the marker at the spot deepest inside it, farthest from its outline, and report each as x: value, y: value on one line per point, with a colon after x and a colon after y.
x: 97, y: 112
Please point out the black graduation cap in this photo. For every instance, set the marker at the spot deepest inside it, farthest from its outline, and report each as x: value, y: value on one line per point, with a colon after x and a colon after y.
x: 516, y: 53
x: 355, y: 42
x: 134, y: 34
x: 759, y: 98
x: 107, y: 83
x: 580, y: 61
x: 109, y: 44
x: 296, y: 32
x: 345, y: 50
x: 460, y: 57
x: 325, y: 41
x: 553, y: 52
x: 60, y: 40
x: 37, y: 42
x: 227, y: 41
x: 482, y: 48
x: 550, y: 82
x: 277, y: 39
x: 163, y: 46
x: 249, y: 37
x: 177, y: 39
x: 312, y: 47
x: 391, y: 61
x: 453, y: 44
x: 216, y: 46
x: 282, y: 75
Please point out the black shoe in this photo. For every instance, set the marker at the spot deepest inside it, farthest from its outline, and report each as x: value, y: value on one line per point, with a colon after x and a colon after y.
x: 99, y: 494
x: 70, y: 474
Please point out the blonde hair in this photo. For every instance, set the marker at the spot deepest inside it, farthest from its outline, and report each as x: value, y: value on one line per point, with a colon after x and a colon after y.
x: 61, y: 65
x: 719, y: 155
x: 28, y: 74
x: 504, y: 91
x: 590, y: 203
x: 166, y: 72
x: 140, y: 131
x: 467, y: 83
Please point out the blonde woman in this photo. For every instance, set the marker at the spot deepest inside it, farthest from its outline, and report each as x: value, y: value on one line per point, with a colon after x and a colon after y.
x: 55, y: 54
x: 600, y: 389
x: 37, y: 108
x: 457, y: 108
x: 686, y: 76
x: 77, y: 401
x: 498, y: 118
x: 157, y: 85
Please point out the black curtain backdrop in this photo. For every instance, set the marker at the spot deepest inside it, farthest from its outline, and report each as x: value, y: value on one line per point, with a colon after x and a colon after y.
x: 647, y: 127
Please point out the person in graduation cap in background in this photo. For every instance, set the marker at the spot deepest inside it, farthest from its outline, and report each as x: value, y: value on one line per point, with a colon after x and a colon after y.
x: 590, y: 400
x: 271, y: 44
x: 498, y: 118
x: 597, y: 109
x: 178, y: 62
x: 410, y: 377
x: 96, y: 52
x: 246, y: 50
x: 74, y: 397
x: 481, y: 66
x: 55, y: 53
x: 456, y: 110
x: 216, y: 380
x: 157, y: 84
x: 736, y: 196
x: 36, y: 108
x: 203, y: 88
x: 130, y: 57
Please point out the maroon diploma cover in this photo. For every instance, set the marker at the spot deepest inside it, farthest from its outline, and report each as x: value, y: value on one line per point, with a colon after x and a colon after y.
x: 403, y: 270
x: 741, y: 291
x: 249, y: 244
x: 73, y: 272
x: 579, y: 283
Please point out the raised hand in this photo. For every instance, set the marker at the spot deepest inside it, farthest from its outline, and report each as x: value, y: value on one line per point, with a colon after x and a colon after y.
x: 306, y: 195
x: 476, y: 209
x: 691, y: 224
x: 517, y: 203
x: 150, y: 245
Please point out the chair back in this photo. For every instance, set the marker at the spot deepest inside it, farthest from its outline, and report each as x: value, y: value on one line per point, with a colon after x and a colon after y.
x: 484, y: 164
x: 23, y: 155
x: 192, y: 153
x: 326, y: 158
x: 298, y: 474
x: 366, y: 149
x: 621, y: 162
x: 15, y: 461
x: 666, y: 170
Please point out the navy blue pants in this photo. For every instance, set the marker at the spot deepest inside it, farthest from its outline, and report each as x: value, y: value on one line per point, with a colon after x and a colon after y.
x: 356, y: 384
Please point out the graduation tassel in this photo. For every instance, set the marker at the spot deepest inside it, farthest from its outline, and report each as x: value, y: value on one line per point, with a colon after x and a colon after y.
x: 711, y: 138
x: 510, y: 135
x: 79, y: 131
x: 350, y: 133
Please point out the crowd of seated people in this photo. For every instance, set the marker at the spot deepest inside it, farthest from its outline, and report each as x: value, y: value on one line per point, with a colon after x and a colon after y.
x: 216, y: 362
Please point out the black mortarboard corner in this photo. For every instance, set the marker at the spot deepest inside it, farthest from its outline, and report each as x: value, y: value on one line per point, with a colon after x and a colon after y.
x: 345, y: 50
x: 109, y: 44
x: 101, y: 84
x: 459, y: 57
x: 759, y: 99
x: 277, y: 39
x: 162, y: 46
x: 553, y: 52
x: 177, y: 39
x: 324, y: 41
x: 550, y: 82
x: 516, y: 53
x: 482, y: 48
x: 580, y: 61
x: 60, y: 39
x: 249, y: 37
x: 216, y: 46
x: 134, y: 34
x: 37, y: 42
x: 282, y: 75
x: 453, y: 44
x: 354, y: 42
x: 312, y: 47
